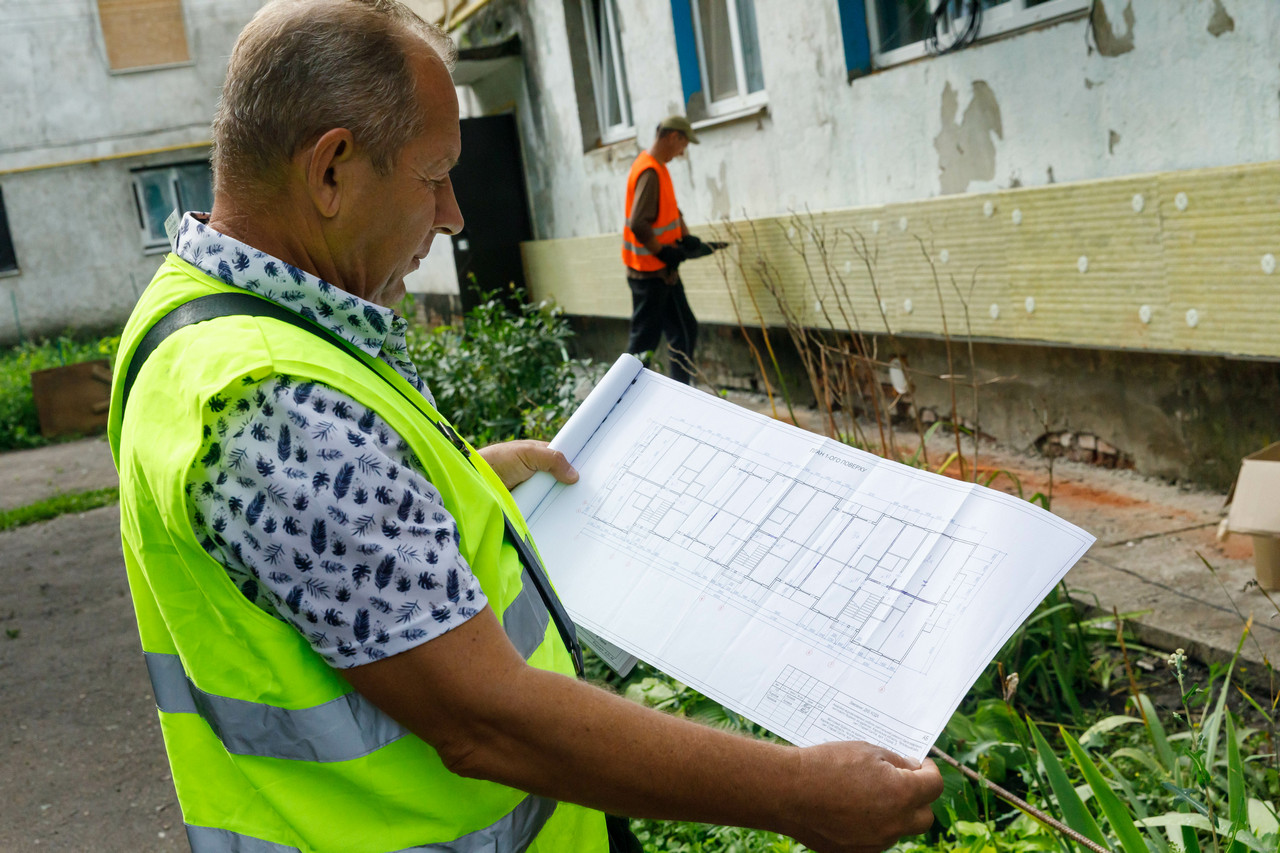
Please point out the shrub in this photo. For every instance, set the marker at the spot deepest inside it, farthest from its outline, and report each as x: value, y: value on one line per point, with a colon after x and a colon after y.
x: 502, y: 375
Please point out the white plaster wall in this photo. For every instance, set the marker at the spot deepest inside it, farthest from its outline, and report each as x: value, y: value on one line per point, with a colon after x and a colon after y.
x: 1181, y: 98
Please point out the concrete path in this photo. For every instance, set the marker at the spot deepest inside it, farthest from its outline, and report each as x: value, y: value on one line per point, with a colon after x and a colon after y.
x: 84, y: 763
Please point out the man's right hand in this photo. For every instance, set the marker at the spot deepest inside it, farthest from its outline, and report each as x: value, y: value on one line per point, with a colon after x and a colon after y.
x: 672, y: 256
x: 859, y: 798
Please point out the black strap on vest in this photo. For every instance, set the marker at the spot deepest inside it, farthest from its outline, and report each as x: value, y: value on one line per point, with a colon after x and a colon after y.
x: 245, y: 304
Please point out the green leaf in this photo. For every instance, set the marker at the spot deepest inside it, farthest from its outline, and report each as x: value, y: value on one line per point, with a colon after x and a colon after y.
x: 1115, y: 810
x: 1074, y: 812
x: 1262, y: 818
x: 1159, y: 739
x: 1106, y: 724
x: 1187, y: 797
x: 1237, y: 803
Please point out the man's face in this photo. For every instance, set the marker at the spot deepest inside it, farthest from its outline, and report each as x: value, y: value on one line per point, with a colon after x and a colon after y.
x: 395, y: 217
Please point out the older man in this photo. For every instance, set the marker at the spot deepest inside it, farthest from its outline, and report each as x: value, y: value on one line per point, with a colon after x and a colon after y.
x: 344, y: 626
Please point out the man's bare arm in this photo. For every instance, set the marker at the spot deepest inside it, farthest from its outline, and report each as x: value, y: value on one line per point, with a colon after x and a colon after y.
x: 491, y: 716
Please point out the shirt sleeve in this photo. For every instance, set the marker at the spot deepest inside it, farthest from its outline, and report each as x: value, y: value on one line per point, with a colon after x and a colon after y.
x: 644, y: 206
x: 321, y: 517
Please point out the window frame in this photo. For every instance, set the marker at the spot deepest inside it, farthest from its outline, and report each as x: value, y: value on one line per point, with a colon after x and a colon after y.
x: 6, y: 241
x: 609, y: 134
x: 998, y: 20
x: 744, y: 101
x: 152, y: 245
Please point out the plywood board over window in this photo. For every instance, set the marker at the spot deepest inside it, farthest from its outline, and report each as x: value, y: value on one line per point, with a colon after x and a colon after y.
x: 143, y: 33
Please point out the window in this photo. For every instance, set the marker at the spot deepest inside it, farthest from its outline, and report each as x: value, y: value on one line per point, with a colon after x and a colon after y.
x: 160, y: 191
x: 728, y: 48
x: 8, y: 259
x: 902, y: 29
x: 143, y: 33
x: 608, y: 76
x: 599, y: 74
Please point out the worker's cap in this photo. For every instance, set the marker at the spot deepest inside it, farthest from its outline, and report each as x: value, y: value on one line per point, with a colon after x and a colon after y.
x: 681, y: 124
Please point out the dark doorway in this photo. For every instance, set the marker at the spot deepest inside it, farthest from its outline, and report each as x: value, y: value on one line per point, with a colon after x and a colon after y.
x: 489, y: 183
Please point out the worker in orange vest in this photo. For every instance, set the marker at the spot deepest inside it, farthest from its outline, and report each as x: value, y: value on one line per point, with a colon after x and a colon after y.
x: 655, y: 242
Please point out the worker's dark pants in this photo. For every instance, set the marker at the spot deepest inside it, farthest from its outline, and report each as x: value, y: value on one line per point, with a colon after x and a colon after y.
x: 658, y: 309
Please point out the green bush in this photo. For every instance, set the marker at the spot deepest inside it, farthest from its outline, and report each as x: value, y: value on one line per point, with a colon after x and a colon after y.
x: 501, y: 376
x: 19, y: 426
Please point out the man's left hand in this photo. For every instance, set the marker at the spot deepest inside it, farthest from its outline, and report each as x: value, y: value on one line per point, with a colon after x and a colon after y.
x: 516, y: 461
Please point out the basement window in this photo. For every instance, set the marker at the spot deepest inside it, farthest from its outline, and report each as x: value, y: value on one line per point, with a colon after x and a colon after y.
x: 140, y: 34
x: 160, y: 191
x: 8, y: 259
x: 902, y: 30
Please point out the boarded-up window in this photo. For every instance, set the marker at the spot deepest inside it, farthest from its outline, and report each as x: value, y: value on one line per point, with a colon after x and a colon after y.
x: 8, y: 260
x: 143, y: 33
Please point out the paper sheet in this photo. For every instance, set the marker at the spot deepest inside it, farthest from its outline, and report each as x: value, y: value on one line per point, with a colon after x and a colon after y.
x: 818, y: 590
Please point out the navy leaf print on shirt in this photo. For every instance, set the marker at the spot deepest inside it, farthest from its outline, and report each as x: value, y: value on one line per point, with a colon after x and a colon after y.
x: 303, y: 392
x: 212, y: 455
x: 284, y: 445
x: 302, y: 562
x: 360, y: 625
x: 319, y: 480
x: 360, y: 574
x: 341, y: 518
x: 265, y: 467
x: 363, y: 525
x: 355, y: 439
x: 224, y: 272
x: 342, y: 482
x: 254, y: 509
x: 451, y: 586
x: 403, y: 584
x: 366, y: 422
x: 406, y: 504
x: 427, y: 581
x: 319, y: 537
x: 294, y: 273
x: 382, y: 576
x: 334, y: 618
x: 374, y: 317
x: 407, y: 612
x: 441, y: 613
x: 294, y: 600
x: 390, y: 529
x: 369, y: 464
x: 241, y: 261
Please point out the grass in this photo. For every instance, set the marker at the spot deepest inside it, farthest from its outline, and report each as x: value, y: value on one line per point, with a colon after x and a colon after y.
x: 56, y: 506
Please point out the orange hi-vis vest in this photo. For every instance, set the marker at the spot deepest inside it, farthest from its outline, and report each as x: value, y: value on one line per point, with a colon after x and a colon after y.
x: 666, y: 228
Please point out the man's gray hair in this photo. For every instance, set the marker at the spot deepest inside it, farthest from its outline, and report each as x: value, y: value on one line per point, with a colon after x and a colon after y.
x: 301, y: 68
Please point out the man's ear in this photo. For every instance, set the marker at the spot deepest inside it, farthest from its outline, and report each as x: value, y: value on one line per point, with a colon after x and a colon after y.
x: 327, y: 168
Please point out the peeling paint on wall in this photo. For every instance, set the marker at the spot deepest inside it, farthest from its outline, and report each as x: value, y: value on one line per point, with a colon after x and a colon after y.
x: 966, y: 151
x: 1109, y: 42
x: 1221, y: 22
x: 719, y: 190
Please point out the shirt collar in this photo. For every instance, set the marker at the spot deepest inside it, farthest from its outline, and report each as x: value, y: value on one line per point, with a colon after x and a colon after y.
x: 365, y: 325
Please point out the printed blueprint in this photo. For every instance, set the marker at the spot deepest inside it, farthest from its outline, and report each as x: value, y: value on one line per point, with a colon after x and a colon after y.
x: 821, y: 592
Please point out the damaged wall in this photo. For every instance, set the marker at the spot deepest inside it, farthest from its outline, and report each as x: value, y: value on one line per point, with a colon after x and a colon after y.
x: 1148, y: 85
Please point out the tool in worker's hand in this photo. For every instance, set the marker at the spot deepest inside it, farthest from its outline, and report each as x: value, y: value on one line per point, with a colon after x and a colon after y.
x: 696, y: 248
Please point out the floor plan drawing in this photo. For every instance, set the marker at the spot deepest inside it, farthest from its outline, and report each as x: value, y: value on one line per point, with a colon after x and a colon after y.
x: 821, y: 591
x: 872, y: 581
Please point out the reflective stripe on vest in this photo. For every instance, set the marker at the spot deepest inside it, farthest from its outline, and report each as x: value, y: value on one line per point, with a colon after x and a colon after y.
x: 339, y: 730
x: 512, y: 833
x: 657, y: 232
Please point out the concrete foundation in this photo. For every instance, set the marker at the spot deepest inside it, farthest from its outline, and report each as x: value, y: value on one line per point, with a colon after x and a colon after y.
x: 1182, y: 418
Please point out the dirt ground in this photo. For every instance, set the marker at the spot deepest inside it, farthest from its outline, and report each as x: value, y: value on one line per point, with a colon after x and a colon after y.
x: 84, y: 765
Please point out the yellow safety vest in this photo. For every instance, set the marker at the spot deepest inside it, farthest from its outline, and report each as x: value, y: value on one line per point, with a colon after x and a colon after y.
x: 271, y: 749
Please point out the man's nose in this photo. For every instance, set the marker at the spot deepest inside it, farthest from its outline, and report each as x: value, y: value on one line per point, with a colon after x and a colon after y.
x: 448, y: 214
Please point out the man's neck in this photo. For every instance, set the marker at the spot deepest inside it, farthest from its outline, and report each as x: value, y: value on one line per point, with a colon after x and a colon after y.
x: 659, y: 152
x: 257, y: 228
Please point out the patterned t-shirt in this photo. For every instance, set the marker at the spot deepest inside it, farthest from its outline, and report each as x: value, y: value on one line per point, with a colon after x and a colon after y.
x: 317, y: 509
